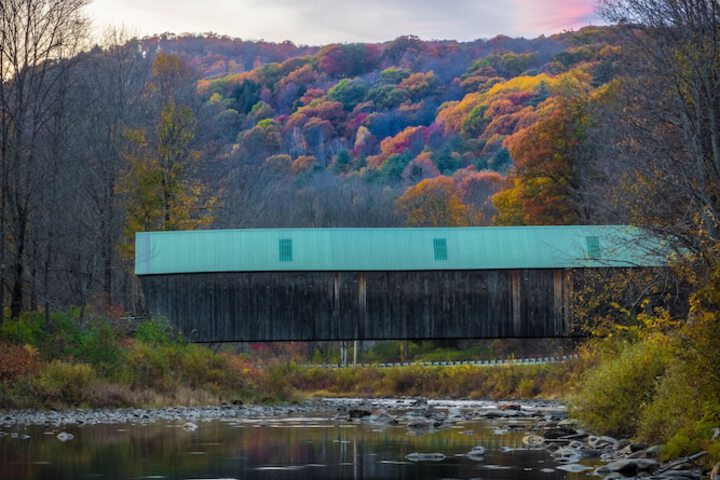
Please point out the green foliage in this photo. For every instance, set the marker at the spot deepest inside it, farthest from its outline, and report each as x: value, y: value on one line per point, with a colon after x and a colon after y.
x: 244, y: 96
x: 342, y: 162
x: 348, y: 92
x: 261, y: 111
x: 475, y: 123
x: 391, y: 170
x: 28, y: 329
x: 155, y: 332
x: 99, y: 346
x: 394, y: 75
x: 387, y: 96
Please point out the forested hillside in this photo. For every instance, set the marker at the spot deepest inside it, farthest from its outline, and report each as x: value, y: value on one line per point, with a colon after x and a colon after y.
x: 179, y: 132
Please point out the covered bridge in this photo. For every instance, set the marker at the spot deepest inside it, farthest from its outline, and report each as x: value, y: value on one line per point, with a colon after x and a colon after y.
x: 377, y: 283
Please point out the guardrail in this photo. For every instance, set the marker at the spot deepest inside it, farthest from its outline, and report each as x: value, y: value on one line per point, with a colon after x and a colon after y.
x: 480, y: 363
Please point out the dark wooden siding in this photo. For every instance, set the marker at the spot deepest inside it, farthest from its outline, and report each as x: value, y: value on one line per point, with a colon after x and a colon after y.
x: 272, y: 306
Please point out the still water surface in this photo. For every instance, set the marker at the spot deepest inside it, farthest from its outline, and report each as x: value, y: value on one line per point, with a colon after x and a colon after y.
x: 285, y: 448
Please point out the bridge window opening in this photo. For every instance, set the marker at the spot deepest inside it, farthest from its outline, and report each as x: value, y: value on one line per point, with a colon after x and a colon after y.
x: 285, y: 248
x: 593, y: 247
x: 440, y: 245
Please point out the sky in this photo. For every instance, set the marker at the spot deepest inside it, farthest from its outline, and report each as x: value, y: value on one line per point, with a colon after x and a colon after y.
x: 319, y: 22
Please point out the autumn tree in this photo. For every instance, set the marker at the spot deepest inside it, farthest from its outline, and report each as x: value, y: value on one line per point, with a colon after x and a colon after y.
x: 161, y: 187
x: 434, y: 202
x: 548, y: 157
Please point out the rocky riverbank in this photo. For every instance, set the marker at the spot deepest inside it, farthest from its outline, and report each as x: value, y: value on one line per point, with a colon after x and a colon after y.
x: 545, y: 425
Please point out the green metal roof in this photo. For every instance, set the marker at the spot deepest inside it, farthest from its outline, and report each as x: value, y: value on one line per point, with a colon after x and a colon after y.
x: 369, y: 249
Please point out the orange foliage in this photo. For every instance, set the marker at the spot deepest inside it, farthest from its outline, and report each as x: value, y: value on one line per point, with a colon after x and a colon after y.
x: 16, y: 361
x: 311, y: 94
x: 324, y: 109
x: 418, y: 84
x: 412, y: 140
x: 545, y: 155
x: 304, y: 75
x: 303, y: 164
x: 476, y: 189
x: 433, y: 202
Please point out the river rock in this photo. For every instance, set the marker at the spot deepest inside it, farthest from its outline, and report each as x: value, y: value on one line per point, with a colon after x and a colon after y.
x: 620, y: 444
x: 533, y: 441
x: 601, y: 442
x: 654, y: 451
x: 478, y: 450
x: 360, y: 411
x: 559, y: 432
x: 189, y: 426
x: 628, y: 466
x: 65, y: 436
x: 419, y: 424
x: 574, y: 468
x: 566, y: 455
x: 381, y: 417
x: 425, y: 457
x: 455, y: 415
x: 420, y: 402
x: 715, y: 472
x: 477, y: 453
x: 342, y: 417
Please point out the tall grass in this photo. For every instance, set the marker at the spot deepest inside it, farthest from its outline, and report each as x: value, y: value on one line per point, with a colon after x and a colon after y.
x: 458, y: 381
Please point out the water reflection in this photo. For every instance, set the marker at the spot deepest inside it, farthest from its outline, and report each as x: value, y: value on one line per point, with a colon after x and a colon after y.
x: 290, y: 448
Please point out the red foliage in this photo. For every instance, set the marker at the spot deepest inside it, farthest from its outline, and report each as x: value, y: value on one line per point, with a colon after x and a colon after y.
x: 16, y: 361
x: 347, y: 60
x: 420, y: 168
x: 409, y: 139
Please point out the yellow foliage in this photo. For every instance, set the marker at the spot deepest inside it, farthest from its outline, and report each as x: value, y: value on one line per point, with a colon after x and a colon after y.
x: 158, y: 190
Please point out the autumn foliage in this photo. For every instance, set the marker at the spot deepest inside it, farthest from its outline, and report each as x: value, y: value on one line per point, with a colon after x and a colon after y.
x: 433, y: 203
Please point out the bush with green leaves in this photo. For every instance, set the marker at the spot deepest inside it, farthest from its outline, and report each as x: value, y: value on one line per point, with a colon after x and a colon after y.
x: 156, y: 332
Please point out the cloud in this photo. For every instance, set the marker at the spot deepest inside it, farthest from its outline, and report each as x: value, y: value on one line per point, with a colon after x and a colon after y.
x: 326, y: 21
x: 536, y: 17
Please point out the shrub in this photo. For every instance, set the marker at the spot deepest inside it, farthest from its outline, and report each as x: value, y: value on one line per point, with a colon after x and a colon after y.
x: 148, y: 366
x: 99, y: 346
x: 16, y: 361
x: 64, y: 382
x: 155, y: 332
x: 612, y: 397
x: 28, y: 329
x: 201, y: 367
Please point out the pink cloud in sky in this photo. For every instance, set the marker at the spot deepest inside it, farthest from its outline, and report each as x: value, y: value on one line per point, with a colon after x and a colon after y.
x: 319, y: 22
x: 544, y: 16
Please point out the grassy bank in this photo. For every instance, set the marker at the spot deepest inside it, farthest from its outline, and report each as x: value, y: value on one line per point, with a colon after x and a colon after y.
x: 459, y: 381
x: 96, y: 363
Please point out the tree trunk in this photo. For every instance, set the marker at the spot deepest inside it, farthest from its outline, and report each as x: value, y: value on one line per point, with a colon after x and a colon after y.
x: 18, y: 289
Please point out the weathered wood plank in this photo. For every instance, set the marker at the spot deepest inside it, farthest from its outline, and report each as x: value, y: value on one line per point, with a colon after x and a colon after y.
x: 275, y: 306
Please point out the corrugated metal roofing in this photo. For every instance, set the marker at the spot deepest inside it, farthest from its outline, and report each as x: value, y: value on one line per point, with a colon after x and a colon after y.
x: 371, y: 249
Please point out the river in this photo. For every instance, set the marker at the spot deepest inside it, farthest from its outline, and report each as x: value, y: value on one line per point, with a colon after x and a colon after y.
x: 289, y: 447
